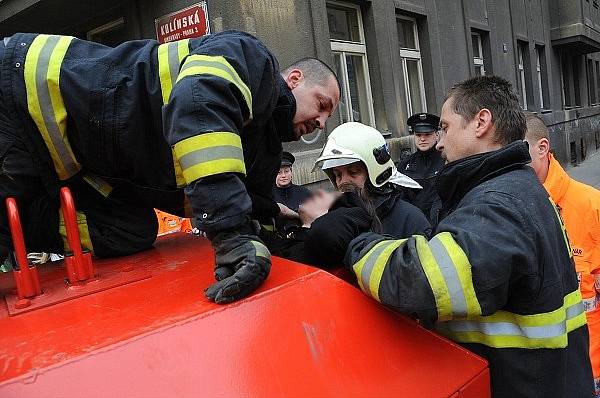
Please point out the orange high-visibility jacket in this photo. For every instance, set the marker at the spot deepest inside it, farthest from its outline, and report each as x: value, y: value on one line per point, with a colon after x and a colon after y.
x: 579, y: 206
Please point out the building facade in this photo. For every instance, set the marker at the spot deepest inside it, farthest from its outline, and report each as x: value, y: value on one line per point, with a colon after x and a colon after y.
x: 393, y: 57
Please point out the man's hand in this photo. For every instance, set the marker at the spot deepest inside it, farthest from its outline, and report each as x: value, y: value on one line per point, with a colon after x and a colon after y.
x: 242, y: 264
x: 286, y: 212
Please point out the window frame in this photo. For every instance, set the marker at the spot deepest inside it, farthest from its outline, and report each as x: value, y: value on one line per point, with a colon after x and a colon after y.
x: 353, y: 48
x: 539, y: 77
x: 413, y: 54
x: 522, y: 77
x: 478, y: 62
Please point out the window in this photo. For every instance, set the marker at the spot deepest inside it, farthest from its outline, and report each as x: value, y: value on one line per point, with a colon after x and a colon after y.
x: 478, y: 60
x: 412, y: 68
x: 591, y: 81
x: 350, y: 57
x: 111, y: 34
x: 570, y: 65
x: 541, y: 77
x: 521, y: 48
x: 597, y: 81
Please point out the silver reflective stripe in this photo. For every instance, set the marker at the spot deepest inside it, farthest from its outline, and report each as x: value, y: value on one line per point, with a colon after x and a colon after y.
x: 507, y: 329
x: 575, y: 310
x: 365, y: 274
x: 446, y: 266
x: 47, y: 109
x: 209, y: 154
x: 173, y: 51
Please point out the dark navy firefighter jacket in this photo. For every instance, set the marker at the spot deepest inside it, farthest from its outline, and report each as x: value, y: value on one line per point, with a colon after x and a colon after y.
x: 206, y: 114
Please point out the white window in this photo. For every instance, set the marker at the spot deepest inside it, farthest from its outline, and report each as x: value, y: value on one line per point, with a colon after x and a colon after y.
x: 521, y: 70
x: 538, y: 72
x: 412, y: 68
x: 350, y: 57
x: 478, y: 60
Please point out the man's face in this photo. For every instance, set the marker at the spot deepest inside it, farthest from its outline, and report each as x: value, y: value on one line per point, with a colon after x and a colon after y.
x: 284, y: 177
x: 457, y: 135
x: 424, y: 141
x: 314, y: 103
x: 354, y: 174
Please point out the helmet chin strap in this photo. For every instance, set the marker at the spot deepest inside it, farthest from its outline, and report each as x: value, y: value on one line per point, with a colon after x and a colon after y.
x: 308, y: 142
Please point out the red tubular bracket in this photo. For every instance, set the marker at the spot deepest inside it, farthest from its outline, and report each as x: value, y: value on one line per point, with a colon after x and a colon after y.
x: 26, y: 278
x: 79, y: 264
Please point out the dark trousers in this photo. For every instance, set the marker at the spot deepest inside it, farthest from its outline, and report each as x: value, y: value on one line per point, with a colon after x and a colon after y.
x: 118, y: 224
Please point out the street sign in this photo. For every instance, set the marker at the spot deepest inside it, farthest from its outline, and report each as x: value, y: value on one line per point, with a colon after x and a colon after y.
x: 183, y: 24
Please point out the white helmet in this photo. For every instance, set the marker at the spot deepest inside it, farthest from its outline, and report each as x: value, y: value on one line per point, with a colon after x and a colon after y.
x: 352, y: 142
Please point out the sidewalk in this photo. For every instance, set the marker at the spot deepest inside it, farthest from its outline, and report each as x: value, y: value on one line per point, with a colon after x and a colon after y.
x: 587, y: 171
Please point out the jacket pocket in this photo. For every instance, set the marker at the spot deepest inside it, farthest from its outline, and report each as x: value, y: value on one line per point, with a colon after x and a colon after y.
x: 101, y: 143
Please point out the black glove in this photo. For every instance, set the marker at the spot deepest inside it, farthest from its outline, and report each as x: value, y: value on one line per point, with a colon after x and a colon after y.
x: 242, y: 264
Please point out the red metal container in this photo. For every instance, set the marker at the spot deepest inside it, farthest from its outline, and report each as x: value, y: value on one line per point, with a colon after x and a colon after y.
x: 304, y: 333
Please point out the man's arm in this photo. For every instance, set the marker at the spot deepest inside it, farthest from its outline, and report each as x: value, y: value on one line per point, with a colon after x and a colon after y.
x: 222, y: 85
x: 463, y: 271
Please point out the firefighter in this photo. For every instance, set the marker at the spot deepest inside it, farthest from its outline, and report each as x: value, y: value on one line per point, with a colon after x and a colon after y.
x: 132, y: 128
x: 579, y: 207
x: 423, y: 165
x: 497, y: 276
x: 357, y: 155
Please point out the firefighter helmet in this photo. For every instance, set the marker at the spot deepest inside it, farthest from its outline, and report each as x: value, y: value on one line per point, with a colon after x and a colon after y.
x: 353, y: 142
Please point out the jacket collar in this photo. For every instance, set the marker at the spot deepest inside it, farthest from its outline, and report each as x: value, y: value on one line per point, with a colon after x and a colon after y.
x: 284, y: 111
x: 457, y: 178
x: 557, y: 181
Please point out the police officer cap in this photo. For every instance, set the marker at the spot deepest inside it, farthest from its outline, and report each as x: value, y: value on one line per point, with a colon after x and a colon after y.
x: 423, y: 123
x: 287, y: 159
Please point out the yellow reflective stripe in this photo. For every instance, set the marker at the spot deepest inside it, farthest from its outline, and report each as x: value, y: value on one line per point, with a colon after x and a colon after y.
x: 261, y: 250
x: 98, y: 184
x: 379, y: 268
x: 44, y: 100
x: 209, y: 154
x: 82, y: 226
x: 216, y: 66
x: 369, y: 270
x: 504, y: 329
x: 462, y: 266
x: 170, y: 56
x: 179, y: 178
x: 435, y: 278
x: 359, y: 266
x: 507, y: 341
x: 562, y: 226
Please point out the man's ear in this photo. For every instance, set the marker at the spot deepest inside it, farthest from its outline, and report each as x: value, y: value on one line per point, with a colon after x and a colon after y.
x: 543, y: 146
x: 294, y: 78
x: 484, y: 121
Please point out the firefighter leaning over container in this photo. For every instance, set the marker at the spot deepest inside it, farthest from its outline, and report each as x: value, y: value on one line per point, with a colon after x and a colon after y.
x: 127, y: 129
x: 579, y: 207
x: 497, y: 276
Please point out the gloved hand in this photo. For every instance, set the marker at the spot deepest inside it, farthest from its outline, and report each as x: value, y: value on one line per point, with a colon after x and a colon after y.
x: 242, y: 264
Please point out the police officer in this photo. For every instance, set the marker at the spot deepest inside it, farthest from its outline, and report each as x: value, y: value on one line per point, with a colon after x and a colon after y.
x: 128, y: 129
x: 288, y: 195
x: 423, y: 165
